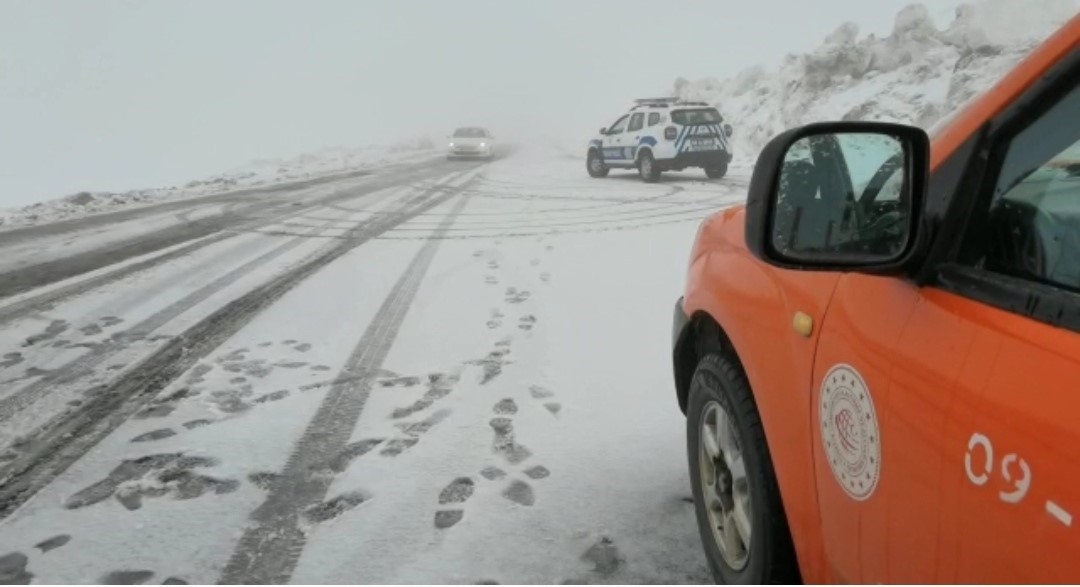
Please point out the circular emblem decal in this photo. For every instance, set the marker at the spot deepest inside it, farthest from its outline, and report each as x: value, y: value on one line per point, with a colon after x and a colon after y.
x: 849, y: 429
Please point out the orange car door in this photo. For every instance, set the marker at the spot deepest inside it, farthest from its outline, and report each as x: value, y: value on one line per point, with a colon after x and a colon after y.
x: 1011, y: 486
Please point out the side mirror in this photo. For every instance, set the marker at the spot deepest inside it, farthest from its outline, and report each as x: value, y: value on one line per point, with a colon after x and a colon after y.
x: 840, y: 196
x: 603, y: 130
x: 728, y: 131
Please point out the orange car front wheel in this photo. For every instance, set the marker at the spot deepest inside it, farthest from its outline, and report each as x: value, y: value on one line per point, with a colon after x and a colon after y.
x: 739, y: 512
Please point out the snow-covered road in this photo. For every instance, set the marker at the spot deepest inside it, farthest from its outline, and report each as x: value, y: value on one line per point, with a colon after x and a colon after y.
x: 435, y: 372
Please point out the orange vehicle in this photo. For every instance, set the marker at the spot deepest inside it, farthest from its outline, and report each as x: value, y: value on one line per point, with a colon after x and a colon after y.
x: 879, y: 355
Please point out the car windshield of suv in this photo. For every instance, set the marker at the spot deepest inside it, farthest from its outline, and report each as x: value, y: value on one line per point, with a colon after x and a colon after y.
x: 696, y: 116
x: 470, y: 133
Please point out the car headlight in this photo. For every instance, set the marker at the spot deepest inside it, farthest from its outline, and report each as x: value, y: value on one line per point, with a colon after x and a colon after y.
x: 483, y: 144
x: 451, y: 144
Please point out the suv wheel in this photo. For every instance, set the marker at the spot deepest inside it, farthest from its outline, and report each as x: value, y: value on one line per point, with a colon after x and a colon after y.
x: 595, y: 164
x: 739, y: 513
x: 717, y: 171
x: 647, y: 168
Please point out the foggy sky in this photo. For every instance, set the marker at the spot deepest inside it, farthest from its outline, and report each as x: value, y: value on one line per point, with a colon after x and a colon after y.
x: 115, y: 95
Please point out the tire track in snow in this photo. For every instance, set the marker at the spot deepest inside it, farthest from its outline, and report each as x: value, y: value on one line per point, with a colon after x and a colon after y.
x: 85, y: 364
x: 269, y: 550
x: 65, y: 439
x: 27, y: 278
x: 211, y: 235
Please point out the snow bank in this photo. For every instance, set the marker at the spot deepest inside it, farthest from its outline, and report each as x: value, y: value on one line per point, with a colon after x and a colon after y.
x: 918, y: 74
x: 257, y: 173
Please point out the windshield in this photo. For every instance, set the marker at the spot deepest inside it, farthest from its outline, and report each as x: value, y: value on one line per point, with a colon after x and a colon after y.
x: 470, y: 133
x: 696, y: 116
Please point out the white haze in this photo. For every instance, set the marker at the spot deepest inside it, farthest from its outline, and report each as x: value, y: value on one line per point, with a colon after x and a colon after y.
x: 113, y: 95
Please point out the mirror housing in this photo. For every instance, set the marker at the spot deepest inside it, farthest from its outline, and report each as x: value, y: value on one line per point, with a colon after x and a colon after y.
x: 838, y: 217
x: 728, y: 130
x: 603, y: 130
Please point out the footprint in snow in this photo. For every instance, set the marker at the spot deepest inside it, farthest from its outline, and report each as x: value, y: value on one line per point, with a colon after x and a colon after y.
x: 272, y: 396
x: 127, y: 577
x: 10, y: 360
x: 513, y: 296
x: 439, y: 385
x: 604, y: 557
x: 400, y: 382
x: 504, y: 443
x: 547, y: 398
x: 351, y: 452
x: 493, y: 362
x: 496, y: 319
x: 505, y: 406
x: 264, y: 480
x: 520, y: 493
x: 456, y: 493
x: 54, y: 329
x: 53, y: 543
x: 154, y: 435
x: 412, y: 432
x: 13, y: 569
x: 153, y: 475
x: 333, y: 508
x: 193, y: 424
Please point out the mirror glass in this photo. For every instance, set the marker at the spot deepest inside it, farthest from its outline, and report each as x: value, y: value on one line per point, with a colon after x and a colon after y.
x: 843, y: 197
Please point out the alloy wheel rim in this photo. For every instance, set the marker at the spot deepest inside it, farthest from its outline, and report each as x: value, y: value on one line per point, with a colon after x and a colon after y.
x: 725, y: 488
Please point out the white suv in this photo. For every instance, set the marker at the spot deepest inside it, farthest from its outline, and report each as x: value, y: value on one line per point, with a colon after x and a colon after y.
x: 663, y: 134
x: 471, y: 141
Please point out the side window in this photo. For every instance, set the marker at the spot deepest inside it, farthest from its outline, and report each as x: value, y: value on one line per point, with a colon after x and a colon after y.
x: 636, y: 122
x: 1032, y: 227
x: 654, y: 118
x: 619, y: 126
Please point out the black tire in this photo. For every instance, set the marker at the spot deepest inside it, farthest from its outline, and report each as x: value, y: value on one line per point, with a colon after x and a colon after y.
x: 770, y: 557
x: 647, y: 168
x: 595, y: 165
x: 716, y: 172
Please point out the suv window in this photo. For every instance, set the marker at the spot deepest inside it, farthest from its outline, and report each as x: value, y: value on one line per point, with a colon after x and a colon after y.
x: 654, y: 118
x: 619, y: 126
x: 1032, y: 227
x: 636, y: 122
x: 697, y: 116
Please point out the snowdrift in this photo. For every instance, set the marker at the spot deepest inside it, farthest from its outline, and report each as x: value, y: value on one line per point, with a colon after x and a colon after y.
x: 918, y: 74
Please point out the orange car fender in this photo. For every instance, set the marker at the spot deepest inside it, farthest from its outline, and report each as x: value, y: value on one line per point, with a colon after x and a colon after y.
x: 754, y: 304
